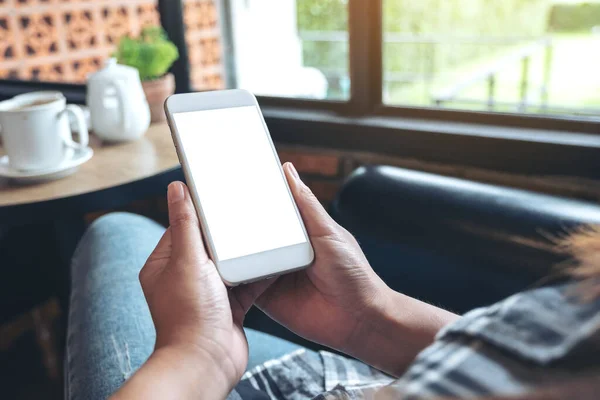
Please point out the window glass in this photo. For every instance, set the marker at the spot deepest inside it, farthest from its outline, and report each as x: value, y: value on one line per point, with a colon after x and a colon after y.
x: 525, y: 56
x: 291, y: 48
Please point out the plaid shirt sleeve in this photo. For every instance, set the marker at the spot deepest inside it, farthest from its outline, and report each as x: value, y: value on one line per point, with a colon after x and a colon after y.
x: 530, y: 340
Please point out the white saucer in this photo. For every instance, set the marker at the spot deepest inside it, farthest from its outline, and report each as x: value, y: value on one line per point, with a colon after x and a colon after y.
x: 69, y: 165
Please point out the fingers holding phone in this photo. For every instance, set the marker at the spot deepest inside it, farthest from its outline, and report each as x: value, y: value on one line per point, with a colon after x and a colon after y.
x: 190, y: 305
x: 184, y: 225
x: 316, y: 219
x: 338, y: 293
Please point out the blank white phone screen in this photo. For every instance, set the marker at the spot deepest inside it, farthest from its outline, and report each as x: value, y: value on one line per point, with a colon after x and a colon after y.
x: 241, y: 189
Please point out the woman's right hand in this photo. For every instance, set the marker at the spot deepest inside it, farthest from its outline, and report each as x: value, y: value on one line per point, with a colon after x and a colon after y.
x: 340, y: 301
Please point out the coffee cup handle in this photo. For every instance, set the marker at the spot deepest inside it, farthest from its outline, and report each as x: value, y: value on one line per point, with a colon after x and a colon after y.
x: 84, y: 138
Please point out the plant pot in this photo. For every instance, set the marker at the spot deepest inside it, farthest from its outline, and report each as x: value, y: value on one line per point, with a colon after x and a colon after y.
x: 157, y: 91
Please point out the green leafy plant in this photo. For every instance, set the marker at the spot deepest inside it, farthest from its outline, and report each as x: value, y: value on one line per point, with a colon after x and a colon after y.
x: 152, y: 53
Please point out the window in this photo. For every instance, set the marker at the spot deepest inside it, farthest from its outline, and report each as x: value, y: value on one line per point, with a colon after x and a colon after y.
x: 519, y: 56
x: 509, y: 56
x: 290, y: 48
x: 425, y: 59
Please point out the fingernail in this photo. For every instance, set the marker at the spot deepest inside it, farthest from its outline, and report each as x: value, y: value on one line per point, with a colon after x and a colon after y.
x: 293, y: 171
x: 175, y: 192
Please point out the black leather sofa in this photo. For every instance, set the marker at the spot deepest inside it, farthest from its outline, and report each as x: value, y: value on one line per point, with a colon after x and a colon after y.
x: 451, y: 242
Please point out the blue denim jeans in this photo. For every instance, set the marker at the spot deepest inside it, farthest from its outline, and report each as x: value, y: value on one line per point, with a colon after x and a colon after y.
x: 110, y: 332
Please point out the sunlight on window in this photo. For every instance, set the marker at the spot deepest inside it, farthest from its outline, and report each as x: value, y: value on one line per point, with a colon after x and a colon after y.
x: 534, y: 56
x: 291, y: 48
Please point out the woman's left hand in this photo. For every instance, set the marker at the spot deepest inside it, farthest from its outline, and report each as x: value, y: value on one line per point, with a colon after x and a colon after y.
x: 197, y: 318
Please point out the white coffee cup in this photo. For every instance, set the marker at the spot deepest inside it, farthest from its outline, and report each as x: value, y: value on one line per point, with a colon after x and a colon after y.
x: 36, y: 129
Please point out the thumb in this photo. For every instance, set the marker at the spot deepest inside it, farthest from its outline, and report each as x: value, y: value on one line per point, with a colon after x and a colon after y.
x: 317, y: 221
x: 186, y: 238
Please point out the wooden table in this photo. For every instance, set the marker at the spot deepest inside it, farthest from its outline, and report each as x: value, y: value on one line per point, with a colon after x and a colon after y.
x: 117, y: 175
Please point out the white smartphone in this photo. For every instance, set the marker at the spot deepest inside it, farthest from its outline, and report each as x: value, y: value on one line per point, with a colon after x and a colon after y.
x: 251, y: 225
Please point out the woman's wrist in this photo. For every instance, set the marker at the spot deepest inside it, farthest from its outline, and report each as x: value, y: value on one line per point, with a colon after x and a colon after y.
x: 201, y: 370
x: 395, y: 330
x: 178, y: 372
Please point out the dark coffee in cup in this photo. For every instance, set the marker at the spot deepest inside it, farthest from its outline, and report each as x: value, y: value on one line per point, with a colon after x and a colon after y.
x: 32, y: 104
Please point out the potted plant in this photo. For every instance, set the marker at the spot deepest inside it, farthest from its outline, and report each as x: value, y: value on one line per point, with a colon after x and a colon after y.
x: 152, y: 53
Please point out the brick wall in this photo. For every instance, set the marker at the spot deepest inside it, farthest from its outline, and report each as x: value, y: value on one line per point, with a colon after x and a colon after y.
x: 203, y: 37
x: 65, y: 40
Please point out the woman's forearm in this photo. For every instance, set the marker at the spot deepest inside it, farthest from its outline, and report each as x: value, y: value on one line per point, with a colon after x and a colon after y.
x: 399, y: 329
x: 176, y: 374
